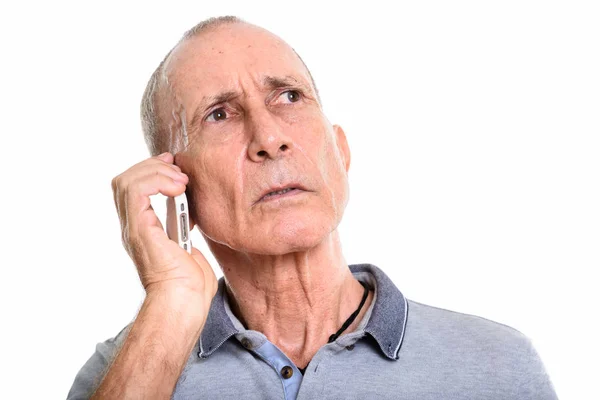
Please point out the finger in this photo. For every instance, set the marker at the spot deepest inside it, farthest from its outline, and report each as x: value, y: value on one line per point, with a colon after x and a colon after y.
x: 138, y: 193
x: 166, y: 157
x: 121, y: 181
x: 136, y: 197
x: 150, y: 163
x: 124, y: 184
x: 209, y: 274
x: 151, y: 166
x: 159, y: 159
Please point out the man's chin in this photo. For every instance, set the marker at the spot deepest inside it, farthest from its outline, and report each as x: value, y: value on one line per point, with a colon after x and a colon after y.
x: 294, y: 237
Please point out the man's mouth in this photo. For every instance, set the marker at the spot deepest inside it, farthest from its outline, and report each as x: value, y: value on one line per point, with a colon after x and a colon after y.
x: 281, y: 191
x: 278, y: 194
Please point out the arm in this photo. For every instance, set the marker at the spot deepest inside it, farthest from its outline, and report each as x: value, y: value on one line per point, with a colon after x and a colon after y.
x: 157, y: 347
x: 92, y: 372
x: 179, y: 290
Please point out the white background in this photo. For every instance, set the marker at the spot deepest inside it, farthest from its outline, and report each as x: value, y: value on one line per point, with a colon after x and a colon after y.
x: 474, y: 130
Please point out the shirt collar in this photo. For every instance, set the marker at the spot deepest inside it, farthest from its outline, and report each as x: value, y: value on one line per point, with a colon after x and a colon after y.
x: 386, y: 324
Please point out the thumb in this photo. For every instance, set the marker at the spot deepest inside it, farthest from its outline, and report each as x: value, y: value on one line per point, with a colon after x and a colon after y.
x: 210, y: 279
x: 199, y: 257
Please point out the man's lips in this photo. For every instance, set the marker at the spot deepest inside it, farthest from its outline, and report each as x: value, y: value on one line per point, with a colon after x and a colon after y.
x: 280, y: 194
x: 281, y: 191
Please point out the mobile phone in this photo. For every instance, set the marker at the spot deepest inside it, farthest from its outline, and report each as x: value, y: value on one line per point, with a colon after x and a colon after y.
x: 178, y: 221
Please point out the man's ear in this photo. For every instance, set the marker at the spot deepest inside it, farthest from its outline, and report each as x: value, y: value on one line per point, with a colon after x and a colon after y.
x: 342, y: 143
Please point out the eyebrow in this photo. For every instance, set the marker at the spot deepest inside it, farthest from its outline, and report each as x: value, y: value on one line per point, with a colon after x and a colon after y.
x: 268, y: 82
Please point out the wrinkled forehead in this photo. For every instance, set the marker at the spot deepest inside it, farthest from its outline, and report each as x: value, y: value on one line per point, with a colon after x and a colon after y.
x: 230, y: 57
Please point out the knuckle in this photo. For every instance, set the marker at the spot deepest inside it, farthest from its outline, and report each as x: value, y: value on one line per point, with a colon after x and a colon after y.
x: 125, y: 236
x: 114, y: 183
x: 125, y: 243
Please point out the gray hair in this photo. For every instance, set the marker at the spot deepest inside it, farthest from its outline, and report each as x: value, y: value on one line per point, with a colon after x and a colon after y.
x: 155, y: 124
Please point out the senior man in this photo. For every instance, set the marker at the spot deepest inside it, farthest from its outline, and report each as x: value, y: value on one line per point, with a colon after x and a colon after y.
x: 232, y: 116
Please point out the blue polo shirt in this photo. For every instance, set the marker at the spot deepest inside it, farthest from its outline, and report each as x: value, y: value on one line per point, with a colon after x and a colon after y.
x: 402, y: 349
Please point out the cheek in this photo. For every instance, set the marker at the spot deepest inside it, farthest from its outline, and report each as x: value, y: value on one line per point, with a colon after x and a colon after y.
x: 213, y: 209
x: 335, y: 176
x: 331, y: 160
x: 211, y: 189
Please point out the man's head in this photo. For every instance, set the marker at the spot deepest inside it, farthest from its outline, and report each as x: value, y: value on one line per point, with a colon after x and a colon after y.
x: 240, y: 110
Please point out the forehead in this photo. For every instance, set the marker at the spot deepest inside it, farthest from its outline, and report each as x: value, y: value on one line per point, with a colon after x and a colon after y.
x: 230, y: 57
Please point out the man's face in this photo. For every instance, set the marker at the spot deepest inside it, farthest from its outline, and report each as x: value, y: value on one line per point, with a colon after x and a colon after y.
x: 257, y: 124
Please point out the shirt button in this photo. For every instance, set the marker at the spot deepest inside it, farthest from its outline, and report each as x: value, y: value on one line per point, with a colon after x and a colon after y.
x: 287, y: 372
x: 351, y: 347
x: 247, y: 343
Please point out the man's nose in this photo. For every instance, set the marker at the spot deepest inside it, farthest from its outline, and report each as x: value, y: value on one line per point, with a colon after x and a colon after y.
x: 268, y: 139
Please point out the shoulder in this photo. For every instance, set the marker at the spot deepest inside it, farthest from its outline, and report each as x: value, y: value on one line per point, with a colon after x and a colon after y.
x: 108, y: 347
x: 476, y: 346
x: 451, y: 323
x: 451, y: 331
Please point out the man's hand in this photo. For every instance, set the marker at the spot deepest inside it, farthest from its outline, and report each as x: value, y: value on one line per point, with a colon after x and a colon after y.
x: 179, y: 288
x: 160, y: 262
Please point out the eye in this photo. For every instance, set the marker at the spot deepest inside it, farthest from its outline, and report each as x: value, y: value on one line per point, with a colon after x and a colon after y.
x: 217, y: 115
x: 291, y: 96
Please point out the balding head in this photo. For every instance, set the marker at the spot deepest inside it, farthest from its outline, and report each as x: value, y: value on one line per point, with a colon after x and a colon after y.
x: 161, y: 109
x: 238, y: 108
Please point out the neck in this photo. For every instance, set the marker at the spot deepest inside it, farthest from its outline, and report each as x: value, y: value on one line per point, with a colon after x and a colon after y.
x: 296, y: 300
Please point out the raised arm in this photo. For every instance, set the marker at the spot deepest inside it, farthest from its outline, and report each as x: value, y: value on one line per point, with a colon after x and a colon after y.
x: 179, y: 290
